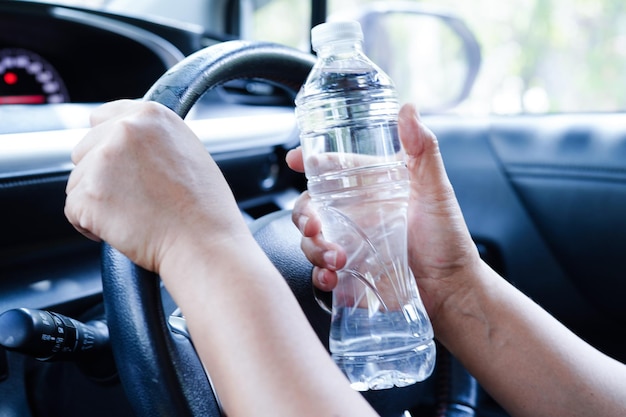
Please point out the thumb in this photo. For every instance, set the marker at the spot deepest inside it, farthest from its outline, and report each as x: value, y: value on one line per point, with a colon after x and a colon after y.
x: 427, y: 171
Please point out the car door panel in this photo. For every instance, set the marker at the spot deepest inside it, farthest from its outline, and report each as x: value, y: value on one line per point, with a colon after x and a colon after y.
x: 546, y: 196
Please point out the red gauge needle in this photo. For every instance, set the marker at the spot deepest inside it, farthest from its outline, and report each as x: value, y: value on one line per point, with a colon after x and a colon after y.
x: 32, y: 99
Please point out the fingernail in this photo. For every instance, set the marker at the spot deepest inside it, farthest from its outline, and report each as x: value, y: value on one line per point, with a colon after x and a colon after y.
x: 302, y: 221
x: 330, y: 257
x: 321, y: 278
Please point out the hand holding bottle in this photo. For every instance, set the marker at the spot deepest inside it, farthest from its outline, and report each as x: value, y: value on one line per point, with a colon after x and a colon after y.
x: 357, y: 179
x: 439, y: 244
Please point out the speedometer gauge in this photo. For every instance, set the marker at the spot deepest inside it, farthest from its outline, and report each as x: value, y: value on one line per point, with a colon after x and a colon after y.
x: 27, y: 78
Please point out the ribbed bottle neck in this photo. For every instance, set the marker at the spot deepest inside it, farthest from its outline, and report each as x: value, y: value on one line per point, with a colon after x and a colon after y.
x: 340, y: 48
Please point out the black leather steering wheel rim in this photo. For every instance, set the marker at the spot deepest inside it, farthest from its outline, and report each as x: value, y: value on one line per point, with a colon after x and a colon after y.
x: 160, y: 372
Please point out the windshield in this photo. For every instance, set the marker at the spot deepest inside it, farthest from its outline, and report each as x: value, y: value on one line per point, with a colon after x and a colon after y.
x: 538, y: 56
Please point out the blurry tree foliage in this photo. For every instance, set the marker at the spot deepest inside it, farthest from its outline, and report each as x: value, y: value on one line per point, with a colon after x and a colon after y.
x: 543, y: 55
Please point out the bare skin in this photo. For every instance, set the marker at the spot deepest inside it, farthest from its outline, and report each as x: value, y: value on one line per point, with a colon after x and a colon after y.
x: 145, y: 184
x: 528, y: 361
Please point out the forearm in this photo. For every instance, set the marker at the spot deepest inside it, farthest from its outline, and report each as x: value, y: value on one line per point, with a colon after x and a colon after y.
x: 527, y: 360
x: 256, y: 343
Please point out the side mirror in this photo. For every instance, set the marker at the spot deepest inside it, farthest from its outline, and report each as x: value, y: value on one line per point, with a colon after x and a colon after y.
x: 431, y: 54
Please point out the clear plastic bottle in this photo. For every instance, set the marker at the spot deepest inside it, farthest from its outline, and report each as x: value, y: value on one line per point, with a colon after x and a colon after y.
x: 357, y: 177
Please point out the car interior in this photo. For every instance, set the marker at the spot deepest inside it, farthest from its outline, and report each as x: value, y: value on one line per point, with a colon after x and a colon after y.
x: 543, y: 196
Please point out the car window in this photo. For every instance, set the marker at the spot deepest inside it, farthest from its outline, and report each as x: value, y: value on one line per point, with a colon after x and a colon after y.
x: 542, y: 56
x: 538, y: 56
x: 269, y: 23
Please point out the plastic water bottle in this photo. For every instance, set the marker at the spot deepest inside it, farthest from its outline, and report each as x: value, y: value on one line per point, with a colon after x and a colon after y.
x: 358, y: 181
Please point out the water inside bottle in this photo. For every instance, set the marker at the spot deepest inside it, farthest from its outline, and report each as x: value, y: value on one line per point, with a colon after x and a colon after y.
x: 347, y: 114
x: 371, y: 362
x: 380, y: 335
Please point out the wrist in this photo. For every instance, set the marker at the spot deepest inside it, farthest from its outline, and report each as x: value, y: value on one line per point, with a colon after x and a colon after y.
x: 203, y: 253
x: 458, y: 299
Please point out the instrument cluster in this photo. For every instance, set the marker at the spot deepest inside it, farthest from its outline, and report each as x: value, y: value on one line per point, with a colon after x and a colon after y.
x: 51, y: 54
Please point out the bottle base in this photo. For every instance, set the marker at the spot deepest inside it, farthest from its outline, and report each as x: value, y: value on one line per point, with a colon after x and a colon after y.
x: 384, y: 371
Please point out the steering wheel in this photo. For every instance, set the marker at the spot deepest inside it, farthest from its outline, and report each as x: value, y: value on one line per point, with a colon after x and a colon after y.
x: 159, y: 369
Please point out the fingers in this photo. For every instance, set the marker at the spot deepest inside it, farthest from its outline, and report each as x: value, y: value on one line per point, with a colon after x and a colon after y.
x: 326, y: 257
x: 417, y: 139
x: 74, y: 211
x: 323, y: 254
x: 428, y: 173
x: 324, y: 279
x: 81, y: 188
x: 318, y: 251
x: 429, y: 183
x: 83, y: 147
x: 104, y: 162
x: 104, y: 113
x: 111, y: 110
x: 75, y: 220
x: 305, y: 218
x: 294, y: 160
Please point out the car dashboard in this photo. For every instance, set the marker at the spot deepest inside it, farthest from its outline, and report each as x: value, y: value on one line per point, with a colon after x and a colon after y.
x: 56, y: 65
x: 69, y: 55
x: 93, y: 57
